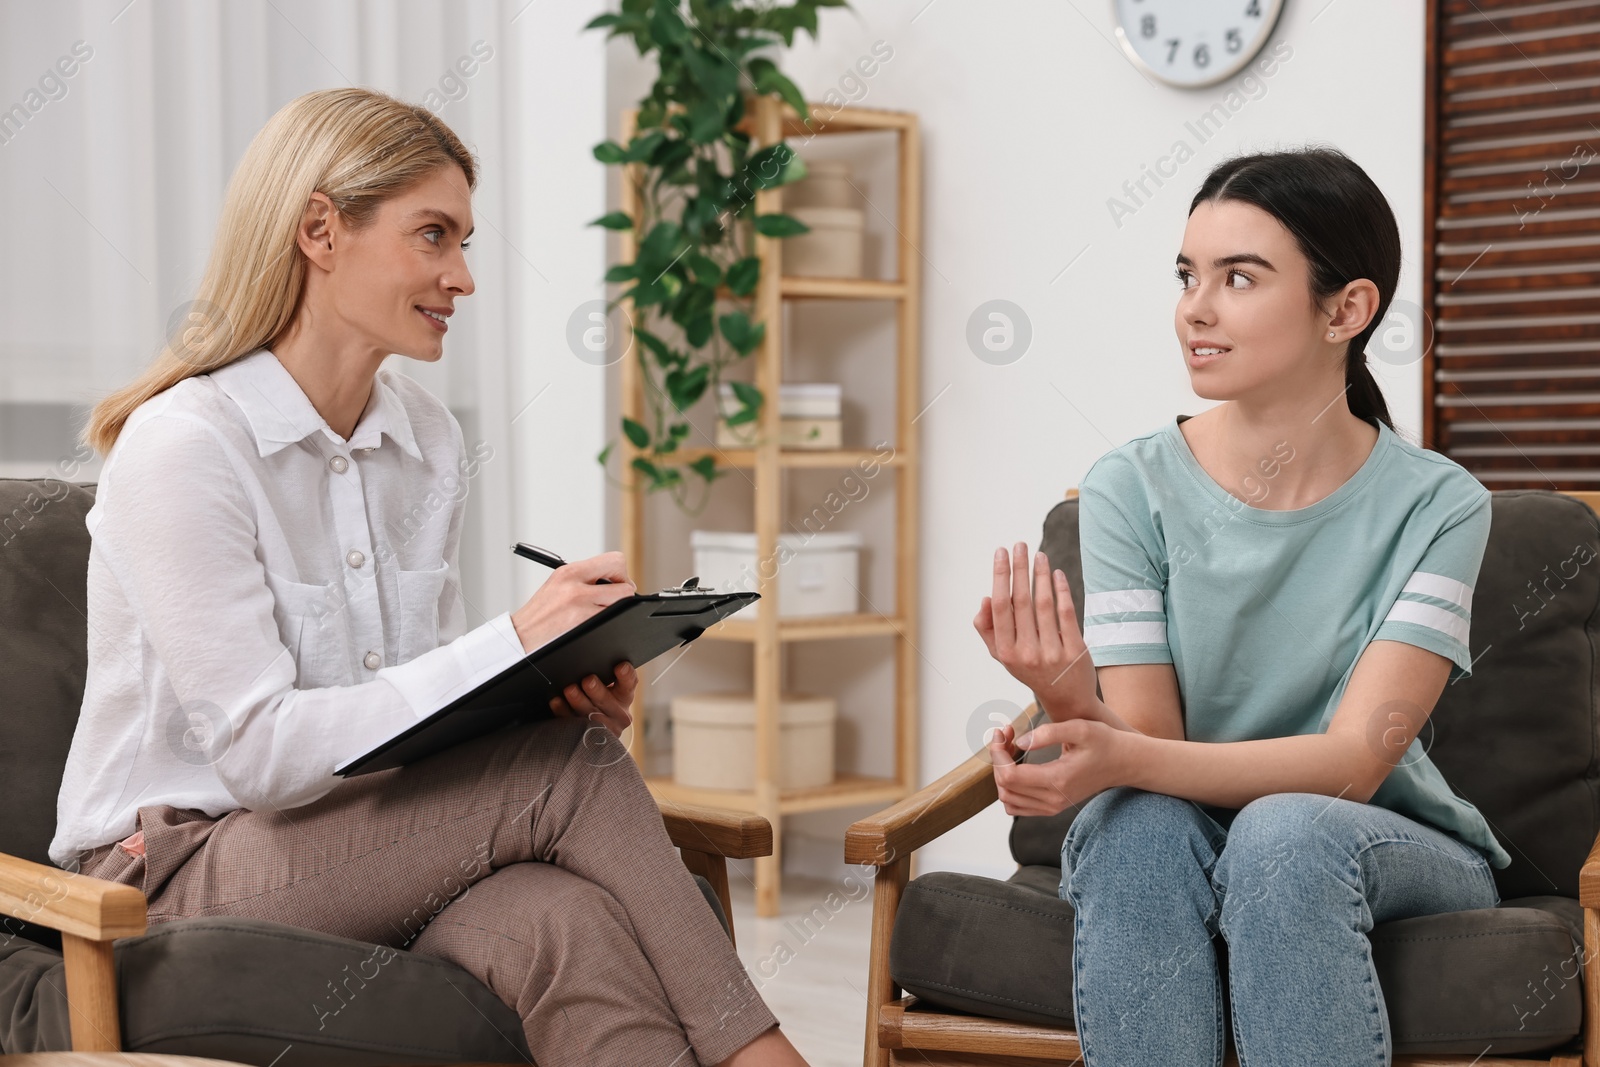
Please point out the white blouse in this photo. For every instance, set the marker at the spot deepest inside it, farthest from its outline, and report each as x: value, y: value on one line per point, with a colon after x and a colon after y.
x: 266, y: 599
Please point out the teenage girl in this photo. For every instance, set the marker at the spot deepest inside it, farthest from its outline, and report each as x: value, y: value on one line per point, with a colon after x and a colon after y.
x: 274, y: 588
x: 1276, y: 591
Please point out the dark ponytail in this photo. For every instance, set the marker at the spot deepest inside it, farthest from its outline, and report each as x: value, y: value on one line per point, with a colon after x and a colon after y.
x: 1343, y: 226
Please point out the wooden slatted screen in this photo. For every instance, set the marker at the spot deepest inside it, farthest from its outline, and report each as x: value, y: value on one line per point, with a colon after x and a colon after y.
x: 1511, y: 260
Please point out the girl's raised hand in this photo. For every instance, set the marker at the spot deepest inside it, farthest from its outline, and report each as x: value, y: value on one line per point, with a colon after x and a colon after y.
x: 1030, y: 627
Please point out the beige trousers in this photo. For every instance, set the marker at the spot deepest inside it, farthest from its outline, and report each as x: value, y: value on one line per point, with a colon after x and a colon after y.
x: 580, y: 915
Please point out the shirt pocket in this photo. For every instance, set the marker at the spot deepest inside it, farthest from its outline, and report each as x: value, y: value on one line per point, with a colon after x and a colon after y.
x: 307, y: 618
x: 419, y: 611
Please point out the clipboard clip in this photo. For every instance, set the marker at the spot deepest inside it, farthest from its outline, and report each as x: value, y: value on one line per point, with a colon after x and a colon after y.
x: 690, y: 586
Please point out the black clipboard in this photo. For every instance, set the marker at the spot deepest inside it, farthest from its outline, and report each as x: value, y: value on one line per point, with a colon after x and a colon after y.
x: 636, y: 629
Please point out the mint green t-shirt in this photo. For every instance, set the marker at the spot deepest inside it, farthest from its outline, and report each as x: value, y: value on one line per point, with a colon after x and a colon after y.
x: 1263, y: 613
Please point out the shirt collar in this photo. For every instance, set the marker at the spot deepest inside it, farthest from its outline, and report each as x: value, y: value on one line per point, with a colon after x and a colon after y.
x: 280, y: 413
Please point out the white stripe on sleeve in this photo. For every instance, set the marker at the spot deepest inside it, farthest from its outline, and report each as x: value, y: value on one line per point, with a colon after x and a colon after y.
x: 1121, y: 601
x: 1446, y: 622
x: 1107, y: 634
x: 1441, y: 587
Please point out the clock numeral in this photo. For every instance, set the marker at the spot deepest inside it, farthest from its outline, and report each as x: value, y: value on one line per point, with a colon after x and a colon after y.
x: 1172, y: 51
x: 1147, y: 26
x: 1253, y: 9
x: 1235, y: 41
x: 1202, y: 56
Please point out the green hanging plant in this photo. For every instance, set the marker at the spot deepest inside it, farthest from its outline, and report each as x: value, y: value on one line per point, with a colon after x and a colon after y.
x: 692, y: 281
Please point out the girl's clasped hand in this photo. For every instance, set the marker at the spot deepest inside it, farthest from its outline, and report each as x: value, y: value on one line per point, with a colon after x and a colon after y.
x: 1030, y: 627
x: 1090, y: 761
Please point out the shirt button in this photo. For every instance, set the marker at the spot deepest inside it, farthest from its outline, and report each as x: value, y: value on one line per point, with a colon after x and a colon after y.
x: 355, y: 558
x: 339, y: 464
x: 373, y: 661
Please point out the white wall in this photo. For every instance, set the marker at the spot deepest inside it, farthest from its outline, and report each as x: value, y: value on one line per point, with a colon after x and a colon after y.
x: 1032, y: 121
x: 117, y: 173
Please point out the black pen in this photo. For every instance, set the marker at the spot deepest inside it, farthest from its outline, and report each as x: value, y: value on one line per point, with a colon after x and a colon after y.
x: 546, y: 557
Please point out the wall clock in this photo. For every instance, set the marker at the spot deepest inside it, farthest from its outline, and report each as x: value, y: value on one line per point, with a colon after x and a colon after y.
x: 1194, y: 43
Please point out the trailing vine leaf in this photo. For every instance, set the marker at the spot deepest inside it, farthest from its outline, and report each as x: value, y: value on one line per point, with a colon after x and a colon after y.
x: 769, y: 79
x: 645, y: 146
x: 636, y: 433
x: 706, y: 270
x: 698, y: 330
x: 740, y: 333
x: 748, y: 394
x: 750, y: 399
x: 666, y: 25
x: 685, y: 387
x: 658, y: 348
x: 743, y: 276
x: 695, y: 174
x: 780, y: 226
x: 661, y: 247
x: 775, y: 166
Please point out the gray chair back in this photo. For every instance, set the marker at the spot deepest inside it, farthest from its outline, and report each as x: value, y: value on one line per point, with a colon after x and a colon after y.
x: 44, y: 570
x: 1520, y: 738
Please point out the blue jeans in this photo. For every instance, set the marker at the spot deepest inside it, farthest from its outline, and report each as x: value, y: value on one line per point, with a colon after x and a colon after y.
x: 1293, y: 884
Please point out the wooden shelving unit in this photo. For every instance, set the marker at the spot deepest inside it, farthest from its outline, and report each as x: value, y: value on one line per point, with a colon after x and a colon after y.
x: 770, y: 121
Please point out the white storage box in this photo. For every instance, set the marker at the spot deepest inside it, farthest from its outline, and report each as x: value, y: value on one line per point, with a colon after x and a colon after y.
x: 818, y: 574
x: 808, y: 417
x: 826, y: 184
x: 792, y: 433
x: 796, y: 400
x: 714, y: 740
x: 831, y: 249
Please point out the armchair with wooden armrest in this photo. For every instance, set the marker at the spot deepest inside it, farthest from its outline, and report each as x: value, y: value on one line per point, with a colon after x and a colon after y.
x: 92, y: 913
x: 218, y: 986
x: 967, y: 971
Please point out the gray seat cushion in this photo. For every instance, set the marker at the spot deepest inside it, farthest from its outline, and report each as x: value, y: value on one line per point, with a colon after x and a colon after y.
x: 1517, y: 739
x: 228, y: 988
x: 1452, y: 983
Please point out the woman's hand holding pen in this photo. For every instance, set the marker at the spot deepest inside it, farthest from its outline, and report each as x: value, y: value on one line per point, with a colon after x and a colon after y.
x: 1031, y: 628
x: 569, y: 596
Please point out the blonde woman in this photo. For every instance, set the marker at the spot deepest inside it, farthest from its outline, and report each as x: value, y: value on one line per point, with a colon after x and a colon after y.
x: 274, y: 587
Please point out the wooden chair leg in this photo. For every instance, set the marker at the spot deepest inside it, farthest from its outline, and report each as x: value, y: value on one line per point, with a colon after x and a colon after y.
x: 1591, y: 986
x: 713, y: 869
x: 887, y: 888
x: 91, y: 994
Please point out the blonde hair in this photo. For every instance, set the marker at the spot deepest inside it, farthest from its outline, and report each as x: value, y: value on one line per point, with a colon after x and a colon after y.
x: 358, y: 147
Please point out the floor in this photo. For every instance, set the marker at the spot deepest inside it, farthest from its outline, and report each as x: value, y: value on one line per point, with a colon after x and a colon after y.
x: 810, y: 962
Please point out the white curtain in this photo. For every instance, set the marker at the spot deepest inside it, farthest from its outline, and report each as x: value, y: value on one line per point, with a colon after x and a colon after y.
x: 120, y: 124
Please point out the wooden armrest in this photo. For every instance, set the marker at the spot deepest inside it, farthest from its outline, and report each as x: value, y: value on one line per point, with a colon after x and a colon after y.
x: 715, y: 832
x: 937, y: 807
x: 90, y: 908
x: 1589, y: 878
